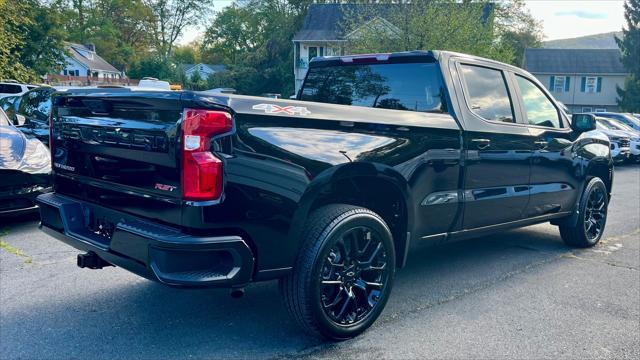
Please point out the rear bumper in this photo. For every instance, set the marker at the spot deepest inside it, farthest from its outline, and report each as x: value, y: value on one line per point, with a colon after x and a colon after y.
x: 151, y: 250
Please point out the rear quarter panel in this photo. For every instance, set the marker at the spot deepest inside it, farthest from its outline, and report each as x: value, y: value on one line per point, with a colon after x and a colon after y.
x: 286, y: 153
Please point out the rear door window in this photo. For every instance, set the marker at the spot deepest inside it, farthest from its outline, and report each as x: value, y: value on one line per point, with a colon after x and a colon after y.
x: 397, y: 86
x: 487, y: 94
x: 10, y: 89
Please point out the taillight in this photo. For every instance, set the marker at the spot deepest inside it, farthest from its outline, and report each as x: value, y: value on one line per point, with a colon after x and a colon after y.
x: 202, y: 175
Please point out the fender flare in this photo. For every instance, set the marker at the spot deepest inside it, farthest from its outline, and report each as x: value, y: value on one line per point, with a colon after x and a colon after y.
x: 326, y: 178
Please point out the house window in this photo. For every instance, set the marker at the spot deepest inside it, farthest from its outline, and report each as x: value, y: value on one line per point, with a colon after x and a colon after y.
x: 591, y: 84
x: 64, y: 72
x: 313, y: 52
x: 587, y: 109
x: 600, y: 110
x: 559, y: 84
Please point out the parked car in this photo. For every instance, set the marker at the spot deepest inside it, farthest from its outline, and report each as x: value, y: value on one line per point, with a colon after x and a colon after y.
x: 25, y: 167
x: 620, y: 140
x: 195, y: 189
x: 634, y: 136
x: 624, y: 118
x: 153, y: 83
x: 32, y: 113
x: 10, y: 104
x: 13, y: 88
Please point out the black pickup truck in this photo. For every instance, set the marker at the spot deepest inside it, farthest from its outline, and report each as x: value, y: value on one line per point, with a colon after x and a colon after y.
x: 326, y: 192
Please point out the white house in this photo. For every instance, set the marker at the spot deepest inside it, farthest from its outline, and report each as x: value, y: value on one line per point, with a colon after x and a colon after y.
x: 85, y: 62
x: 203, y: 70
x: 584, y: 80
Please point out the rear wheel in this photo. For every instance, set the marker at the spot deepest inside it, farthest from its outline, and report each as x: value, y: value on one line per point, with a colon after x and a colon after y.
x: 592, y: 217
x: 344, y: 272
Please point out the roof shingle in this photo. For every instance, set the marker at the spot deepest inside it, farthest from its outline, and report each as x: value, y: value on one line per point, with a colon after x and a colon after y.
x: 573, y: 61
x: 94, y: 63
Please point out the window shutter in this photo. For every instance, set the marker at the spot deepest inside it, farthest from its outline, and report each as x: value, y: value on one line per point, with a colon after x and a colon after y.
x: 583, y: 84
x: 599, y: 84
x: 552, y: 83
x: 567, y: 80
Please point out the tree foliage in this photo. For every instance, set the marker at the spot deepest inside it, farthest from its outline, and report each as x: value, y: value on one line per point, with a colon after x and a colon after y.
x: 497, y: 30
x: 170, y: 19
x: 31, y: 40
x: 629, y: 97
x: 254, y: 41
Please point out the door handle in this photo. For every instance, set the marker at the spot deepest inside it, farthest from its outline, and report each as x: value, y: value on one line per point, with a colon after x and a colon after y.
x: 541, y: 144
x: 481, y: 143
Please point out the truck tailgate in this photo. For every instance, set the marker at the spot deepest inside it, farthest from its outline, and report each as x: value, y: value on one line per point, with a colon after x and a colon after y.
x: 119, y: 150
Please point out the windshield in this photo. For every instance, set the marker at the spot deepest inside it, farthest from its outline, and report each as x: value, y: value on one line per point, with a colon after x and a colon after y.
x: 620, y: 126
x: 403, y: 86
x: 4, y: 120
x: 604, y: 124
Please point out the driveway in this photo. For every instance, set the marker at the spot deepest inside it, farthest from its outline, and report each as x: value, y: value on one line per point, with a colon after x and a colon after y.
x: 519, y: 294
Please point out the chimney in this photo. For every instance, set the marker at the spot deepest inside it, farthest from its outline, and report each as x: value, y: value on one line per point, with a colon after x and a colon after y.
x: 91, y: 47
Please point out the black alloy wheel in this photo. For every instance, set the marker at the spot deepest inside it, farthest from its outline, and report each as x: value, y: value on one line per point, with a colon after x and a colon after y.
x: 590, y: 217
x: 595, y: 214
x: 344, y: 273
x: 353, y: 276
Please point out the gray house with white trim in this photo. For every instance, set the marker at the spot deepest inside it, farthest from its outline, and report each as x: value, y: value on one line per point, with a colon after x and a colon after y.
x: 584, y: 80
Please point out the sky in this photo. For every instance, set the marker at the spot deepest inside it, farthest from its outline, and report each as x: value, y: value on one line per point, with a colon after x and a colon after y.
x: 561, y: 19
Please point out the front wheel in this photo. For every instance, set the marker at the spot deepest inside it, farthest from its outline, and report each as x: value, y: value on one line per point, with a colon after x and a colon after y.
x: 592, y: 217
x: 344, y: 272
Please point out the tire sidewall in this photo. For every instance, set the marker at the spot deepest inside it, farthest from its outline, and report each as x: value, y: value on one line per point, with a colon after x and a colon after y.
x: 591, y: 186
x: 327, y: 326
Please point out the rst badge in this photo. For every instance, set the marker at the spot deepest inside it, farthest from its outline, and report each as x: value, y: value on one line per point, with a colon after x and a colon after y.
x: 287, y: 110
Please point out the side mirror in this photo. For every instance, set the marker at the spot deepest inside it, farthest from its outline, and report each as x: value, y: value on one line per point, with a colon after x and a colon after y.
x: 20, y: 120
x: 583, y: 122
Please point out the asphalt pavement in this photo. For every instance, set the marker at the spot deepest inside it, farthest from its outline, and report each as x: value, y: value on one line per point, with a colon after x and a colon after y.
x: 518, y: 294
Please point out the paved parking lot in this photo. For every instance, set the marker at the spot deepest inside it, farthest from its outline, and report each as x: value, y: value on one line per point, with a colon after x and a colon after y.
x: 520, y: 294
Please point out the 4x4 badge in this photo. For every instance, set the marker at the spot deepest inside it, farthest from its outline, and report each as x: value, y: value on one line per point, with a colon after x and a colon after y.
x: 287, y: 110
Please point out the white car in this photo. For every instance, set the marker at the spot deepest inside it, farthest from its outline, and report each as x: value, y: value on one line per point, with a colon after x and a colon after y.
x: 620, y: 140
x: 634, y: 137
x: 14, y: 88
x: 625, y: 118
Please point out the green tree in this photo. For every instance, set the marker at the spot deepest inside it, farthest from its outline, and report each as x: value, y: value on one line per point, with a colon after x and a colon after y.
x: 120, y: 29
x: 629, y: 97
x: 254, y: 41
x: 497, y: 30
x: 186, y: 54
x: 30, y: 40
x: 171, y: 17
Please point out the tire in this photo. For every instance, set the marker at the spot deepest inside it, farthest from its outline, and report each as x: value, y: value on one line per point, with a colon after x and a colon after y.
x: 592, y: 217
x: 332, y: 292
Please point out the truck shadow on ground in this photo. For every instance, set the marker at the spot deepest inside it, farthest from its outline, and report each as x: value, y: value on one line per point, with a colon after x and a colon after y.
x: 113, y: 314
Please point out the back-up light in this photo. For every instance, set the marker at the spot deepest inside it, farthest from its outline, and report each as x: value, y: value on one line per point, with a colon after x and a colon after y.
x: 202, y: 175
